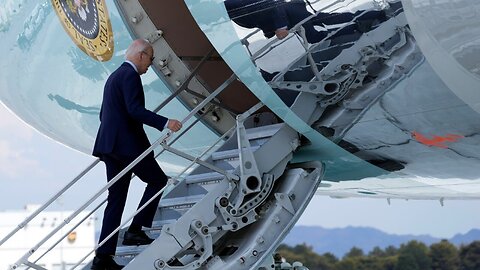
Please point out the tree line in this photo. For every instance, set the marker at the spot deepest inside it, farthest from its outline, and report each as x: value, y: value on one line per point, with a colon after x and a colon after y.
x: 413, y: 255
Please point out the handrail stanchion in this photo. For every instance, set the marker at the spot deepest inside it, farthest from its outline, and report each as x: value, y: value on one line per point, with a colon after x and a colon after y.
x: 249, y: 112
x: 266, y: 48
x: 50, y: 201
x: 206, y: 151
x: 68, y: 232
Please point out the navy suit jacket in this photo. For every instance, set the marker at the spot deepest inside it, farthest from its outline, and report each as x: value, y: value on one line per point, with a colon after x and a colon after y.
x: 123, y: 114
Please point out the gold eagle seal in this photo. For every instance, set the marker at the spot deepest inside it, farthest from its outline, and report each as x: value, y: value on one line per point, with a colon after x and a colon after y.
x: 88, y: 25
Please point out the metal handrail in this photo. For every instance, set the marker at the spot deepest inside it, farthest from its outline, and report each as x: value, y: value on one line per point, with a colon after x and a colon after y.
x: 194, y: 161
x: 200, y: 106
x: 104, y: 201
x: 66, y: 187
x: 68, y: 232
x: 200, y: 162
x: 95, y: 163
x: 50, y: 201
x: 227, y: 133
x: 160, y: 192
x: 217, y: 103
x: 308, y: 50
x: 268, y: 47
x: 206, y: 101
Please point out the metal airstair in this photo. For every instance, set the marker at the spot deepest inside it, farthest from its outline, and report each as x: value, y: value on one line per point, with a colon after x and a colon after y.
x: 238, y: 202
x: 210, y: 211
x: 202, y: 220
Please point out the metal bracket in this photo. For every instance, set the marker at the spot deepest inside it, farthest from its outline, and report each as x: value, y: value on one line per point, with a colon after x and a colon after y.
x: 163, y: 63
x: 315, y: 87
x: 345, y: 84
x: 137, y: 18
x: 154, y: 36
x: 248, y: 164
x: 285, y: 202
x: 246, y: 215
x: 202, y: 231
x: 250, y: 179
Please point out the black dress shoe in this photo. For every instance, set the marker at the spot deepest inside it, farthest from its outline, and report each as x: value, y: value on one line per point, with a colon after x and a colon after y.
x: 105, y: 263
x: 136, y: 238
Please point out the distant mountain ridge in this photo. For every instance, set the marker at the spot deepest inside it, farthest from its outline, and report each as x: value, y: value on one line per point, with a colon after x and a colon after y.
x: 340, y: 241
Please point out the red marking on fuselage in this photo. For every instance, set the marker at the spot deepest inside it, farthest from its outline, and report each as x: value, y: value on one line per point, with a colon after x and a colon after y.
x: 437, y: 141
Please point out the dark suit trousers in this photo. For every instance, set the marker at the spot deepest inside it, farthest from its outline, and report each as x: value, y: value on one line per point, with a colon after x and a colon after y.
x: 149, y: 172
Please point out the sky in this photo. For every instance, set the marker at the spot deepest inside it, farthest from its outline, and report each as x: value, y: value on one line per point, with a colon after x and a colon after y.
x: 33, y: 168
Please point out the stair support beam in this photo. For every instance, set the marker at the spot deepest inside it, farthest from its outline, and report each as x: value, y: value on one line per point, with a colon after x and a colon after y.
x: 250, y: 178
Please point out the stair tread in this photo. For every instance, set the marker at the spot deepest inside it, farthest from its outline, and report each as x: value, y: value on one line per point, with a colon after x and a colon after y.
x: 178, y: 201
x: 233, y: 153
x: 263, y: 131
x: 205, y: 177
x: 257, y: 137
x: 158, y: 224
x: 129, y: 250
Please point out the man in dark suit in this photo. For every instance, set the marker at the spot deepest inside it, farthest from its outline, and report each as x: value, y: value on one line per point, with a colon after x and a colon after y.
x: 276, y: 17
x: 120, y: 139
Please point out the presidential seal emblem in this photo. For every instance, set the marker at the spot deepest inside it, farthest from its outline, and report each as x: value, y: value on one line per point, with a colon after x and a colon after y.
x: 88, y: 24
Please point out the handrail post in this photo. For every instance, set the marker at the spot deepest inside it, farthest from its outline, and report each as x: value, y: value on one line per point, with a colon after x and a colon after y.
x: 69, y: 231
x: 312, y: 63
x: 50, y: 201
x: 229, y: 132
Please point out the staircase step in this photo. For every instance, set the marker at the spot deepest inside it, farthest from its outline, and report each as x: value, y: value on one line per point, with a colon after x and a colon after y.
x: 203, y: 184
x: 153, y: 232
x: 204, y: 177
x: 180, y: 201
x: 227, y: 154
x: 124, y: 251
x: 158, y: 224
x: 263, y: 131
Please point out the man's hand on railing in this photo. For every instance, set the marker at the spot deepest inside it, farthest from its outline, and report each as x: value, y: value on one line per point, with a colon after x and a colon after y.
x: 281, y: 33
x: 174, y: 125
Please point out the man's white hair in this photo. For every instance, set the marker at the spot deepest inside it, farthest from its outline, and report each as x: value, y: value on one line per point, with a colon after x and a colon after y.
x: 139, y: 45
